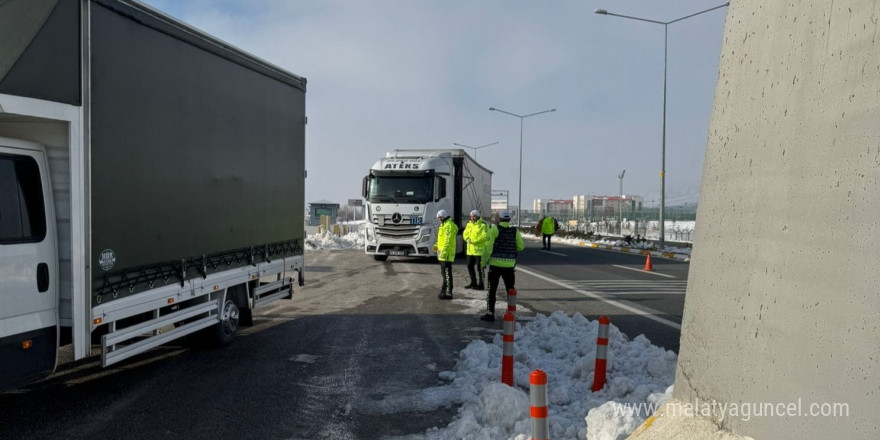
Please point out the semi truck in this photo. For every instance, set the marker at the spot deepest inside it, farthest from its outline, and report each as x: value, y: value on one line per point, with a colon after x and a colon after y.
x: 151, y: 183
x: 405, y: 190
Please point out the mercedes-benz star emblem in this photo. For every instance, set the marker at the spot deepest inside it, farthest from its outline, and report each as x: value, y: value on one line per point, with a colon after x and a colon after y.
x: 396, y: 217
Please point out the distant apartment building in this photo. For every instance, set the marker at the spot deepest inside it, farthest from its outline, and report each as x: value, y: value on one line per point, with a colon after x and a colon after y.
x: 601, y: 207
x: 553, y: 207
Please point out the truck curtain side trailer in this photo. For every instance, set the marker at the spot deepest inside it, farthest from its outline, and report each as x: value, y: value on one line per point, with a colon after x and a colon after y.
x: 405, y: 190
x: 151, y: 183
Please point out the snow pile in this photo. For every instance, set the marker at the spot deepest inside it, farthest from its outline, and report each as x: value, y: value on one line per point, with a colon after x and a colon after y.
x: 327, y: 240
x: 565, y: 348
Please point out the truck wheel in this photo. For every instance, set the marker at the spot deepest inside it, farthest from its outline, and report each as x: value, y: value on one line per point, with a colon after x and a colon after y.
x: 225, y: 330
x: 380, y: 257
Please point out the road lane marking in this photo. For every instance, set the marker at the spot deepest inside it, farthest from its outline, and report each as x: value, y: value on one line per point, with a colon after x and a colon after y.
x: 645, y: 271
x: 647, y: 312
x: 554, y: 253
x: 633, y: 287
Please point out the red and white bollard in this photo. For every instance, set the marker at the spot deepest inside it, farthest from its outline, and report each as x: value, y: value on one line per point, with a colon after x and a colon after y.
x: 538, y: 395
x: 507, y: 350
x: 511, y: 301
x: 601, y: 354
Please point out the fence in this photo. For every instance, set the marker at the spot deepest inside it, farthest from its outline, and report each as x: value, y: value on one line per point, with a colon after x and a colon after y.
x: 680, y: 231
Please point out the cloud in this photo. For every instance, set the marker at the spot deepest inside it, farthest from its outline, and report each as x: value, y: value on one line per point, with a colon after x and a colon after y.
x: 389, y: 74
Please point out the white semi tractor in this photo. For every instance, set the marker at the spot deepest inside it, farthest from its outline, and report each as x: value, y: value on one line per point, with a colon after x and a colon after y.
x: 151, y: 183
x: 405, y: 190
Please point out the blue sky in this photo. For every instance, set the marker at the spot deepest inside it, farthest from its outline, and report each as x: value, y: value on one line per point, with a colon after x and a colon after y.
x: 386, y: 74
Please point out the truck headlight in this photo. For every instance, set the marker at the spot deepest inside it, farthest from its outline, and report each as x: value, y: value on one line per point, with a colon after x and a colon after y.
x: 426, y: 236
x: 370, y: 236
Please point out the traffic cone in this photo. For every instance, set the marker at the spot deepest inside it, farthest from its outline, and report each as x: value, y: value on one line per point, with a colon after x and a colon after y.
x: 648, y: 265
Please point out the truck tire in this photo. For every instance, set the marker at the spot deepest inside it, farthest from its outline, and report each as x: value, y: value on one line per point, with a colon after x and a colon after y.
x: 222, y: 333
x: 380, y: 257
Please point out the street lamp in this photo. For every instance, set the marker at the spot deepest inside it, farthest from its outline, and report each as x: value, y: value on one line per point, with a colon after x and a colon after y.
x: 663, y: 151
x: 519, y: 193
x: 474, y: 148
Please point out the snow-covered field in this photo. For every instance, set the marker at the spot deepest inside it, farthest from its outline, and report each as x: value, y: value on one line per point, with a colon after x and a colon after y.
x: 562, y: 346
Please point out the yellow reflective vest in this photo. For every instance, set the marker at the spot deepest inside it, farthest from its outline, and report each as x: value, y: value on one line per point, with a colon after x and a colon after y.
x: 446, y: 240
x: 475, y: 236
x: 548, y: 226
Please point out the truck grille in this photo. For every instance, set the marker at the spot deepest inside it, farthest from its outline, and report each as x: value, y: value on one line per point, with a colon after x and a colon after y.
x: 396, y: 226
x: 398, y: 231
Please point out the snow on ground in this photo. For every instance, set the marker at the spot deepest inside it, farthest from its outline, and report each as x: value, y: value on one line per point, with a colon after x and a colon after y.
x: 326, y: 240
x: 611, y: 241
x: 562, y: 346
x: 565, y: 348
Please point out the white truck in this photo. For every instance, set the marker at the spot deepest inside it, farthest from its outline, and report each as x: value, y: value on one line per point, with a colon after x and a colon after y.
x: 406, y: 188
x: 151, y: 183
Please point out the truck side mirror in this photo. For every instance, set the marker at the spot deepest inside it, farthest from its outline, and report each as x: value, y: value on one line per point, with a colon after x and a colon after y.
x: 364, y: 186
x: 442, y: 190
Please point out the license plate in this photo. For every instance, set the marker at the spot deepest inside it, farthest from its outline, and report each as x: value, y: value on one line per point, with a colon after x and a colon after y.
x: 401, y: 253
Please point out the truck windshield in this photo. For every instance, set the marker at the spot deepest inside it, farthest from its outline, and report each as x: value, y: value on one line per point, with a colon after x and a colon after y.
x: 401, y: 189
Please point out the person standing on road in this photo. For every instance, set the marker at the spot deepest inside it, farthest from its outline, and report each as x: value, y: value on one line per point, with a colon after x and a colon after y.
x: 548, y: 227
x: 503, y: 244
x: 474, y: 235
x: 445, y: 249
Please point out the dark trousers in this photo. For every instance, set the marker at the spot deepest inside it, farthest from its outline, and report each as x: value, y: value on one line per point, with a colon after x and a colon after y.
x: 545, y: 241
x: 496, y: 273
x: 446, y: 271
x: 475, y: 270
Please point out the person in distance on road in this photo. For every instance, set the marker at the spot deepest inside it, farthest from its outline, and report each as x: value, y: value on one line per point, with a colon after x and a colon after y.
x: 503, y: 244
x: 475, y: 233
x: 445, y: 249
x: 548, y: 228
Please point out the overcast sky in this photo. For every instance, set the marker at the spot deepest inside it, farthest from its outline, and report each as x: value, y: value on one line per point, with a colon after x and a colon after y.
x: 387, y: 74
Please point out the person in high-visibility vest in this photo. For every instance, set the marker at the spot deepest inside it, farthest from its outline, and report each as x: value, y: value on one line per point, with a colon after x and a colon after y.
x: 445, y: 249
x: 503, y: 244
x: 475, y: 236
x: 548, y: 228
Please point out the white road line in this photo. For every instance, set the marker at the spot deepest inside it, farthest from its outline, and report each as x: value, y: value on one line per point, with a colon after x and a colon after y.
x: 646, y: 292
x: 554, y: 253
x: 641, y: 311
x: 645, y: 271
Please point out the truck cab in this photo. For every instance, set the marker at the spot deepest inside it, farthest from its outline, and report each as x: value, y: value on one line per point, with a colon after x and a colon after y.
x: 403, y: 196
x: 28, y: 265
x: 405, y: 190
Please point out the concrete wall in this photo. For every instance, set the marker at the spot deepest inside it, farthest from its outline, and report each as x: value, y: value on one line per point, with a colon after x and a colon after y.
x: 783, y: 300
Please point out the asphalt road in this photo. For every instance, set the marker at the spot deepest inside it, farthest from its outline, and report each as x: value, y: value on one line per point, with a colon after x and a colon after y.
x: 598, y: 282
x: 347, y: 358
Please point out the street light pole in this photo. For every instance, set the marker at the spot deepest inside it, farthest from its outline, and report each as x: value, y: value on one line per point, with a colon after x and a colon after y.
x: 663, y: 148
x: 474, y: 148
x: 620, y: 202
x: 519, y: 193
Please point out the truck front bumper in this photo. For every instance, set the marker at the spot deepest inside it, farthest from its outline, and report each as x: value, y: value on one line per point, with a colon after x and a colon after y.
x: 399, y: 249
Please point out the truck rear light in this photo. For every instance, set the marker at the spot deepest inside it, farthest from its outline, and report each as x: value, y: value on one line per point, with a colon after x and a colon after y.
x: 26, y: 344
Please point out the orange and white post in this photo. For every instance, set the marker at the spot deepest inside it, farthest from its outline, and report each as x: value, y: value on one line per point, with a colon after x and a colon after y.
x: 601, y: 354
x: 511, y: 301
x: 538, y: 395
x: 507, y: 350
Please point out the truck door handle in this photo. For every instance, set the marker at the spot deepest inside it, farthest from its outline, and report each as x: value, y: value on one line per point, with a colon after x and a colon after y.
x: 42, y: 277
